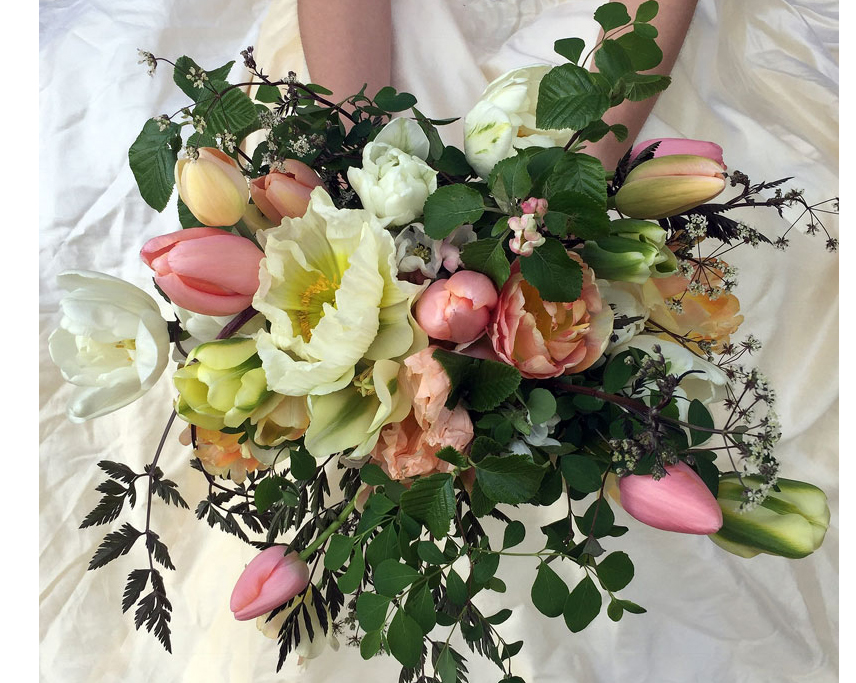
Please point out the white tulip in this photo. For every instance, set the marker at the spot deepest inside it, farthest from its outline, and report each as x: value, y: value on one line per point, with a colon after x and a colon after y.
x: 406, y: 135
x: 503, y: 120
x: 392, y: 184
x: 112, y: 342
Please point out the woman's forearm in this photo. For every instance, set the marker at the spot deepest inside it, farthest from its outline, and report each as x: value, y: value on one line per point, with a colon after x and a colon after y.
x: 672, y: 22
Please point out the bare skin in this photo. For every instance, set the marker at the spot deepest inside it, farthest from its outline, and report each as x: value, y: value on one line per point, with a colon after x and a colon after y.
x: 348, y: 43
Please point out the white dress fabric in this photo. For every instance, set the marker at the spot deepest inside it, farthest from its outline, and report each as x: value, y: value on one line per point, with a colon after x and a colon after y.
x: 760, y: 78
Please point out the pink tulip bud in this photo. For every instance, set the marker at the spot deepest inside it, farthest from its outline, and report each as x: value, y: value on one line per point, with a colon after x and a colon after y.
x: 534, y: 205
x: 680, y: 501
x: 668, y: 146
x: 286, y: 192
x: 457, y: 309
x: 270, y: 579
x: 205, y: 270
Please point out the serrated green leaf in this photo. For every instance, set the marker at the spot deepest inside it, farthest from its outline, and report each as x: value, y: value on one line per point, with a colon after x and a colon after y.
x: 643, y: 52
x: 391, y: 576
x: 226, y: 110
x: 582, y: 605
x: 509, y: 180
x: 574, y: 213
x: 580, y: 472
x: 353, y: 576
x: 549, y: 591
x: 570, y: 97
x: 387, y: 98
x: 480, y: 504
x: 451, y: 206
x: 420, y: 606
x: 514, y: 534
x: 570, y: 48
x: 452, y: 455
x: 370, y: 644
x: 647, y: 10
x: 611, y: 15
x: 699, y: 416
x: 613, y: 61
x: 615, y: 571
x: 555, y: 275
x: 510, y: 478
x: 373, y: 475
x: 487, y: 256
x: 576, y: 172
x: 152, y: 158
x: 642, y: 86
x: 489, y: 383
x: 431, y: 500
x: 338, y: 552
x: 371, y: 610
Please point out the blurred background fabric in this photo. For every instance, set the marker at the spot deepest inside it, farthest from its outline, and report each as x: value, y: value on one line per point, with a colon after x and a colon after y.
x: 760, y: 78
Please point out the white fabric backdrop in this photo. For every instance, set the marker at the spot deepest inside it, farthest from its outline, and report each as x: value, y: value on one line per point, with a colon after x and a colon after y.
x: 760, y: 78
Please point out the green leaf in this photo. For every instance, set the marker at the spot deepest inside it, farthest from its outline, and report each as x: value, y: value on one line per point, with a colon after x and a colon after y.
x: 644, y: 52
x: 570, y: 48
x: 420, y: 606
x: 338, y: 552
x: 431, y: 500
x: 390, y: 577
x: 581, y: 473
x: 430, y: 553
x: 709, y: 474
x: 451, y: 206
x: 555, y: 275
x: 509, y: 180
x: 303, y: 465
x: 456, y: 589
x: 645, y: 30
x: 611, y: 15
x: 388, y: 99
x: 480, y: 504
x: 642, y: 86
x: 152, y: 158
x: 373, y: 475
x: 268, y: 492
x: 384, y: 546
x: 576, y: 172
x: 353, y: 576
x: 182, y: 78
x: 614, y: 611
x: 541, y: 405
x: 371, y: 610
x: 699, y: 416
x: 232, y: 111
x: 582, y: 605
x: 617, y: 374
x: 615, y: 571
x: 570, y: 97
x: 267, y: 93
x: 577, y: 214
x: 500, y: 617
x: 508, y: 651
x: 514, y: 534
x: 647, y: 10
x: 613, y: 61
x: 510, y: 478
x: 453, y: 162
x: 370, y: 644
x: 405, y: 639
x: 549, y: 591
x: 485, y: 567
x: 451, y: 455
x: 489, y: 383
x: 185, y: 218
x: 487, y: 256
x: 597, y: 520
x: 445, y: 666
x: 632, y: 607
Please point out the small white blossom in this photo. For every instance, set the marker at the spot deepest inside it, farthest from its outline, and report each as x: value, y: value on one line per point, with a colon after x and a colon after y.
x: 148, y: 59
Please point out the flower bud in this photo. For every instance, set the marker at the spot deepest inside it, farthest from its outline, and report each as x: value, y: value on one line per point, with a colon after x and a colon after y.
x: 791, y: 522
x: 534, y: 205
x: 526, y: 236
x: 213, y: 187
x: 457, y: 309
x: 634, y: 251
x: 205, y: 270
x: 286, y: 193
x: 680, y: 501
x: 270, y: 579
x: 670, y: 146
x: 669, y: 185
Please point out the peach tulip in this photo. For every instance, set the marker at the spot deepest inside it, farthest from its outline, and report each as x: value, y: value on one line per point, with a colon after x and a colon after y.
x: 270, y: 579
x: 213, y: 187
x: 544, y: 339
x: 457, y: 309
x: 668, y: 146
x: 680, y: 501
x: 205, y: 270
x: 285, y: 193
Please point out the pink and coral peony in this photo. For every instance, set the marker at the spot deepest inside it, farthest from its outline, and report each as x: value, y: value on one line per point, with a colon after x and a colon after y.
x: 270, y: 579
x: 457, y: 309
x: 545, y: 339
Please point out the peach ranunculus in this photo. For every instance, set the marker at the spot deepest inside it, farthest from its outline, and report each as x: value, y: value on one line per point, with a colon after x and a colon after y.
x: 403, y: 450
x: 544, y: 339
x: 221, y: 454
x: 694, y: 315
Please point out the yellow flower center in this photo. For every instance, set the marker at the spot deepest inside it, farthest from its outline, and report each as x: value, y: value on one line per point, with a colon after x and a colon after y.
x: 312, y: 300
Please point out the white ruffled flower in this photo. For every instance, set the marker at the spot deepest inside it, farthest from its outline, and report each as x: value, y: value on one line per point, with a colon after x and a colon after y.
x: 112, y: 342
x: 625, y: 299
x: 394, y: 183
x: 503, y: 121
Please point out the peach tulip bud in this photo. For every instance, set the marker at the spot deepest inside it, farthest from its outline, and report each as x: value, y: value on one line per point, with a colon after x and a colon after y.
x: 669, y: 185
x: 205, y: 270
x: 680, y: 501
x: 669, y: 146
x: 457, y: 309
x: 285, y: 193
x: 213, y: 187
x: 270, y: 579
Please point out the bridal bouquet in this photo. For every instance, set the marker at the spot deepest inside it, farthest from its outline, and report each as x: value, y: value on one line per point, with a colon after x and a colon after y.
x: 385, y: 345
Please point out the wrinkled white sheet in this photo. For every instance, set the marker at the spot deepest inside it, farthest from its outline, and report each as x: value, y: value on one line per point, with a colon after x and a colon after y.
x: 760, y: 78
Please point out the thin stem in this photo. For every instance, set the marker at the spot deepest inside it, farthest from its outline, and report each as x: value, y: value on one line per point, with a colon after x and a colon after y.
x: 237, y: 322
x: 151, y: 471
x: 330, y: 530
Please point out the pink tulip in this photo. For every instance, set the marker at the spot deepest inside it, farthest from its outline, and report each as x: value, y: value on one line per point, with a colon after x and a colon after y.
x: 457, y: 309
x: 270, y: 579
x: 669, y: 146
x: 680, y: 501
x: 205, y: 270
x: 285, y: 193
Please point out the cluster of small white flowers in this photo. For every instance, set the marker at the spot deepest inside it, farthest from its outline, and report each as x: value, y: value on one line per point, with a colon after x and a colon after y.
x: 199, y: 124
x: 675, y: 305
x: 197, y: 77
x: 300, y: 146
x: 748, y: 235
x: 162, y: 121
x: 686, y: 268
x: 751, y: 343
x: 268, y: 119
x: 192, y: 152
x: 227, y: 141
x: 697, y: 226
x: 148, y: 59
